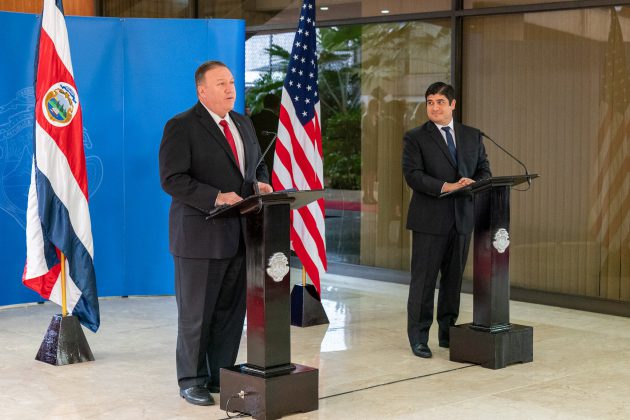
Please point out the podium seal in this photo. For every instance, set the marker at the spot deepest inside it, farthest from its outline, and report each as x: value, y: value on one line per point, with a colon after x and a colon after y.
x: 501, y: 240
x: 278, y: 266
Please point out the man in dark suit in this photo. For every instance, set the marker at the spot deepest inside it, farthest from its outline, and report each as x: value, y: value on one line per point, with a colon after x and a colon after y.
x: 438, y: 157
x: 208, y: 158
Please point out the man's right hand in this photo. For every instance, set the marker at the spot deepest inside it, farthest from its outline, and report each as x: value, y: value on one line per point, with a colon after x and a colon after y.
x: 452, y: 186
x: 227, y: 198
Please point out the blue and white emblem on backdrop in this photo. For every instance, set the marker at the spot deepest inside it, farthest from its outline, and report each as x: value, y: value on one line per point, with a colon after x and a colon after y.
x: 17, y: 118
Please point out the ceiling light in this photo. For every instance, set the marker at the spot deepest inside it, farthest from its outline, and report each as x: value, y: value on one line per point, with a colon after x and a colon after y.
x: 384, y: 11
x: 324, y: 8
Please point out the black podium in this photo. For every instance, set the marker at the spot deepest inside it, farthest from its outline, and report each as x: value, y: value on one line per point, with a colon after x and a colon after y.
x: 491, y: 340
x: 268, y: 386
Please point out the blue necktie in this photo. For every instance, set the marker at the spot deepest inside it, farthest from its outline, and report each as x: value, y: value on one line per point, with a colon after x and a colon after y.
x: 451, y: 143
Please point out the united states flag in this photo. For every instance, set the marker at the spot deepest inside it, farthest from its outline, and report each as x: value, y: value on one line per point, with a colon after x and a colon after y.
x: 58, y: 218
x: 298, y: 158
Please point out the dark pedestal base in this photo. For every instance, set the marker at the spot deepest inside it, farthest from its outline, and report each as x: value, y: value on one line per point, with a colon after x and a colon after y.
x: 64, y: 343
x: 306, y: 307
x: 270, y: 398
x: 491, y: 350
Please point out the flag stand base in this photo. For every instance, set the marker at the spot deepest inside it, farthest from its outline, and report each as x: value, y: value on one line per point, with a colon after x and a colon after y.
x: 64, y: 343
x: 306, y: 307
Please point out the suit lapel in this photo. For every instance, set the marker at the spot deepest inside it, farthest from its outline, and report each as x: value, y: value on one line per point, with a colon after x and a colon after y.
x: 205, y: 119
x: 439, y: 140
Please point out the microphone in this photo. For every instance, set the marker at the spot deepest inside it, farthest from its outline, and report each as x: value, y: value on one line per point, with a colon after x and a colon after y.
x: 529, y: 182
x: 275, y: 136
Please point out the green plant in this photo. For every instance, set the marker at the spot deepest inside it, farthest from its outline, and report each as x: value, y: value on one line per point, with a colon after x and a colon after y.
x: 342, y: 150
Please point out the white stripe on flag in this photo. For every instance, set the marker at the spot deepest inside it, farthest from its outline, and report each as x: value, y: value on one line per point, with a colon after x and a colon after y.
x: 73, y: 293
x: 54, y: 165
x: 307, y: 240
x: 319, y: 168
x: 307, y: 143
x: 281, y: 172
x: 55, y: 26
x: 35, y: 260
x: 298, y: 176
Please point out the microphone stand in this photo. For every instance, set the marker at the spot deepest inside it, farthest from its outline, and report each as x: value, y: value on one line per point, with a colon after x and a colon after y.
x: 256, y: 188
x: 529, y: 181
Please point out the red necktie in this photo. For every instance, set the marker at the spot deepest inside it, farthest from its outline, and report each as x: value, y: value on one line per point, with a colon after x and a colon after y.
x: 230, y: 139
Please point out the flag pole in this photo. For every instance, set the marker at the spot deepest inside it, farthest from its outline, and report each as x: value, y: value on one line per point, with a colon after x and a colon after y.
x: 303, y: 277
x: 64, y: 306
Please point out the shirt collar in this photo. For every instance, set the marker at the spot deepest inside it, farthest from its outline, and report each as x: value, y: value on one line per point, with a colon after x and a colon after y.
x: 447, y: 125
x: 218, y: 119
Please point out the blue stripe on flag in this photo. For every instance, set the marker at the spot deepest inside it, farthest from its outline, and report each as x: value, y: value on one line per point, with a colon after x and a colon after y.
x: 57, y: 230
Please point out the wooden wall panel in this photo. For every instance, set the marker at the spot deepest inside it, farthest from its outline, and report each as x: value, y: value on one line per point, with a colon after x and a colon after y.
x: 71, y: 7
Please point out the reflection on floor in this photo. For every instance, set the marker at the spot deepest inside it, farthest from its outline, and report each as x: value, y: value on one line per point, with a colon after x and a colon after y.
x: 581, y: 365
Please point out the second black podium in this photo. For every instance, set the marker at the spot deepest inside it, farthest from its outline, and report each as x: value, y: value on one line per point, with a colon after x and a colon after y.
x: 269, y: 386
x: 491, y: 340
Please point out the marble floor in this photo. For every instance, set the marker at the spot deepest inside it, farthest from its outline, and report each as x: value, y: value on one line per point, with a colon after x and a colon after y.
x: 581, y: 367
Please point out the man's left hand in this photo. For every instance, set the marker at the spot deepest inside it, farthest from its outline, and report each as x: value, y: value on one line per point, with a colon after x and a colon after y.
x: 464, y: 182
x: 264, y: 188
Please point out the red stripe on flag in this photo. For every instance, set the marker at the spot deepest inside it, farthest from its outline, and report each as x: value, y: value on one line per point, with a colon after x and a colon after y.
x: 312, y: 130
x: 284, y: 157
x: 318, y: 133
x: 43, y: 284
x: 69, y: 139
x: 298, y: 153
x: 305, y: 258
x: 311, y: 225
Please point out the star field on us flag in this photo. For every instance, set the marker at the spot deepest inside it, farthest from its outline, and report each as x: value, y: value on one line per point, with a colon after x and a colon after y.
x: 301, y: 81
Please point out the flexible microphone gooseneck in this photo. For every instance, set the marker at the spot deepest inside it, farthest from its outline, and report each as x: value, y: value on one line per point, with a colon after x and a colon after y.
x: 275, y: 136
x: 529, y: 182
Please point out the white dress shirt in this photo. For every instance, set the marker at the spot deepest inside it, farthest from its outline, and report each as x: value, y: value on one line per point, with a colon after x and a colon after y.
x: 450, y: 125
x: 235, y: 133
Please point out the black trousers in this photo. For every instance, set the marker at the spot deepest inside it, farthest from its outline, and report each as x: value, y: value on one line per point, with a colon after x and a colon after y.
x: 430, y: 255
x: 211, y: 302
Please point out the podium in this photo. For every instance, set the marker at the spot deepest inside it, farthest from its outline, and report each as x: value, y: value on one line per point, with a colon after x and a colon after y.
x: 268, y: 386
x: 491, y: 340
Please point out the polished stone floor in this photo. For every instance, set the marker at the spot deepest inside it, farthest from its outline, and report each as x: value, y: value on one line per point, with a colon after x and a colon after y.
x: 581, y: 367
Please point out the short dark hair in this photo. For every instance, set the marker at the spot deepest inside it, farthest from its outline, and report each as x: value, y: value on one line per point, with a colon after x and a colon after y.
x: 441, y: 88
x: 202, y: 69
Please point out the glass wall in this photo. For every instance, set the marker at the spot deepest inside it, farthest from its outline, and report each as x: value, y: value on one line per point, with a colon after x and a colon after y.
x: 371, y: 82
x: 398, y: 62
x: 264, y: 12
x: 553, y: 88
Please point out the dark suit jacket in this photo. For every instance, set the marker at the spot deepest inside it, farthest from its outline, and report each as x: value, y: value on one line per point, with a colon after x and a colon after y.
x: 427, y: 164
x: 196, y: 163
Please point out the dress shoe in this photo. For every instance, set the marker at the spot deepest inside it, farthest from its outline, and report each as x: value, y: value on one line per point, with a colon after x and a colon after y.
x: 444, y: 343
x: 198, y: 395
x: 421, y: 350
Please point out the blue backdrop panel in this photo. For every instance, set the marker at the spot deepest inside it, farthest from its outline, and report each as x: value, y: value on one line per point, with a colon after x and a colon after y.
x: 96, y: 46
x: 222, y: 36
x: 17, y: 107
x: 132, y: 76
x: 159, y: 84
